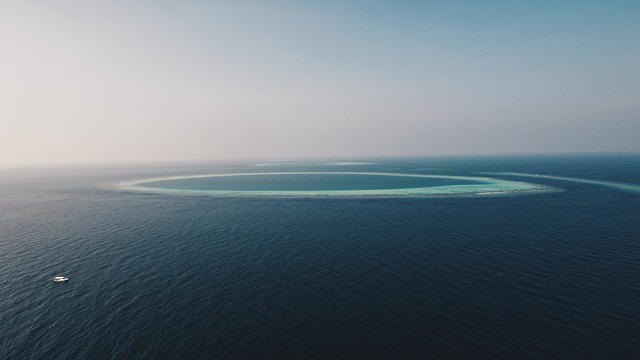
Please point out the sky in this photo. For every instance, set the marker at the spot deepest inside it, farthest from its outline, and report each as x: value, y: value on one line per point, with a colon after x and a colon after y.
x: 167, y: 81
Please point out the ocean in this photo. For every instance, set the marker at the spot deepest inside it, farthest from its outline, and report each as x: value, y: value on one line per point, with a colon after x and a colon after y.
x: 551, y: 274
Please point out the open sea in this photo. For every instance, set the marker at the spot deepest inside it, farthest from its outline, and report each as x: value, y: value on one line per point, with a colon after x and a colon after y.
x: 523, y: 275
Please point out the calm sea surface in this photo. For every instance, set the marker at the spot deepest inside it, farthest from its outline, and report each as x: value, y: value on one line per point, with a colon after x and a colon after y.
x: 542, y: 276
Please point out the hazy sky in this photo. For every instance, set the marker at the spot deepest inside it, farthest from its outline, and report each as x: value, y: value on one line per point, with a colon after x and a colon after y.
x: 133, y: 81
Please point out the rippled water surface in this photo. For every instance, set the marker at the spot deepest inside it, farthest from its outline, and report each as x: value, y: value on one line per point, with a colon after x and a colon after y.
x: 156, y: 276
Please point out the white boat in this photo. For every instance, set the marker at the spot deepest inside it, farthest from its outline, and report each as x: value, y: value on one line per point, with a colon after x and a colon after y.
x: 60, y: 279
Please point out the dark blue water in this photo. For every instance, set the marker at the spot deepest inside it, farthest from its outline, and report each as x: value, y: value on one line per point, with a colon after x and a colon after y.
x: 542, y: 276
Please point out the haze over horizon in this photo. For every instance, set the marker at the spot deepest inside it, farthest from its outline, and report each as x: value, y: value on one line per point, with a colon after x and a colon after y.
x: 156, y: 81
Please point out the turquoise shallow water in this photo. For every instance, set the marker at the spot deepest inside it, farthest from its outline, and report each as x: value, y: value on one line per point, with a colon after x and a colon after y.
x: 549, y: 275
x: 331, y: 183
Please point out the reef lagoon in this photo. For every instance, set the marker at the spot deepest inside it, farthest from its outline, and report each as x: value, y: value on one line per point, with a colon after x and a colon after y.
x: 331, y: 184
